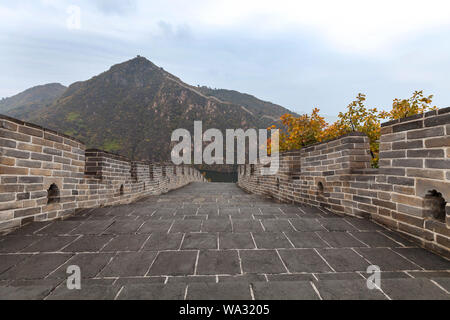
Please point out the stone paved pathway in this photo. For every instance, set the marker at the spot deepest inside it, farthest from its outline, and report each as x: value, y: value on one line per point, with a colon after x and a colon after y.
x: 213, y: 241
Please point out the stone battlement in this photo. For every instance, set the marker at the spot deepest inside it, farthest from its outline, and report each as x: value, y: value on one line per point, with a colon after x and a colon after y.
x: 46, y: 175
x: 408, y: 193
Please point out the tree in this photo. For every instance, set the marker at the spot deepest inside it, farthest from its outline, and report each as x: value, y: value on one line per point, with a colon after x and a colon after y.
x: 307, y: 129
x: 302, y: 131
x: 361, y: 119
x: 402, y: 108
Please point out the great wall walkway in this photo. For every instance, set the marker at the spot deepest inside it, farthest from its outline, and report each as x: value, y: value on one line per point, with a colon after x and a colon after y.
x: 213, y: 241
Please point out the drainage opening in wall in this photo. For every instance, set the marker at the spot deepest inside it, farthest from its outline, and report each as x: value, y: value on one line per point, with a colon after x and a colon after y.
x: 434, y: 205
x: 278, y: 183
x: 320, y: 187
x: 150, y: 173
x: 53, y: 194
x: 121, y: 190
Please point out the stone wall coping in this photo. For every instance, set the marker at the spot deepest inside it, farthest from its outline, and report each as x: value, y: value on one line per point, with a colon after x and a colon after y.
x: 35, y: 126
x: 431, y: 113
x: 108, y: 154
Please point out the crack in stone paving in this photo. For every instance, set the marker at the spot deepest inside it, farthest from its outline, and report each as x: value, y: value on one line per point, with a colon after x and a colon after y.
x: 229, y: 245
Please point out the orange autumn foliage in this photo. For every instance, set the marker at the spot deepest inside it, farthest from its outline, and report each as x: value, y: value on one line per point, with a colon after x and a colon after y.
x: 298, y: 132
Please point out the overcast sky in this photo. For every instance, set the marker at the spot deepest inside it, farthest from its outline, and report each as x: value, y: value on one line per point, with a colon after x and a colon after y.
x: 299, y: 54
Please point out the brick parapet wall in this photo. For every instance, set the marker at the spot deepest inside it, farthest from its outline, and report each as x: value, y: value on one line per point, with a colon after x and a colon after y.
x: 414, y: 160
x: 32, y: 159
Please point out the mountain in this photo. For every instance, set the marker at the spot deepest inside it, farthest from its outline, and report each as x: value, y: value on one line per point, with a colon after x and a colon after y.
x: 132, y: 109
x: 259, y: 108
x: 31, y: 99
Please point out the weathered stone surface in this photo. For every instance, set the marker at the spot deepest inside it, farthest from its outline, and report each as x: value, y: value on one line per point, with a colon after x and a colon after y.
x: 219, y: 291
x: 348, y: 290
x: 158, y: 264
x: 284, y: 291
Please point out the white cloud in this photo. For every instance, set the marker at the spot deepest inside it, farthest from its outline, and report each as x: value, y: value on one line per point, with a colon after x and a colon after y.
x: 347, y: 24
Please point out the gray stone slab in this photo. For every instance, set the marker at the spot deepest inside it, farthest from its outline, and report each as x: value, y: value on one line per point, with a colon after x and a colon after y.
x: 164, y: 213
x: 424, y: 258
x: 291, y: 277
x: 247, y: 278
x: 336, y: 224
x: 92, y: 227
x: 339, y: 239
x: 163, y: 241
x: 311, y: 210
x: 199, y: 217
x: 14, y: 244
x: 218, y: 262
x: 87, y: 292
x: 297, y: 290
x: 303, y: 260
x: 139, y: 280
x: 126, y: 242
x: 184, y: 226
x: 250, y: 210
x: 219, y: 291
x: 338, y: 276
x: 413, y: 289
x: 199, y: 241
x: 305, y: 240
x: 271, y: 240
x: 261, y: 261
x: 90, y: 265
x: 50, y: 244
x: 124, y: 227
x: 191, y: 279
x: 242, y: 216
x: 173, y: 291
x: 29, y: 229
x: 208, y: 211
x: 24, y: 293
x: 430, y: 274
x: 399, y: 238
x: 364, y: 224
x: 270, y: 210
x: 217, y: 225
x: 7, y: 261
x: 228, y: 211
x: 443, y: 282
x: 88, y: 243
x: 291, y: 210
x: 52, y: 283
x: 375, y: 239
x: 386, y: 259
x: 302, y: 224
x: 186, y: 211
x: 388, y: 275
x: 347, y: 290
x: 236, y: 241
x: 161, y: 226
x: 36, y: 267
x: 174, y: 263
x: 129, y: 264
x: 246, y: 225
x: 277, y: 225
x: 59, y: 228
x: 344, y: 260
